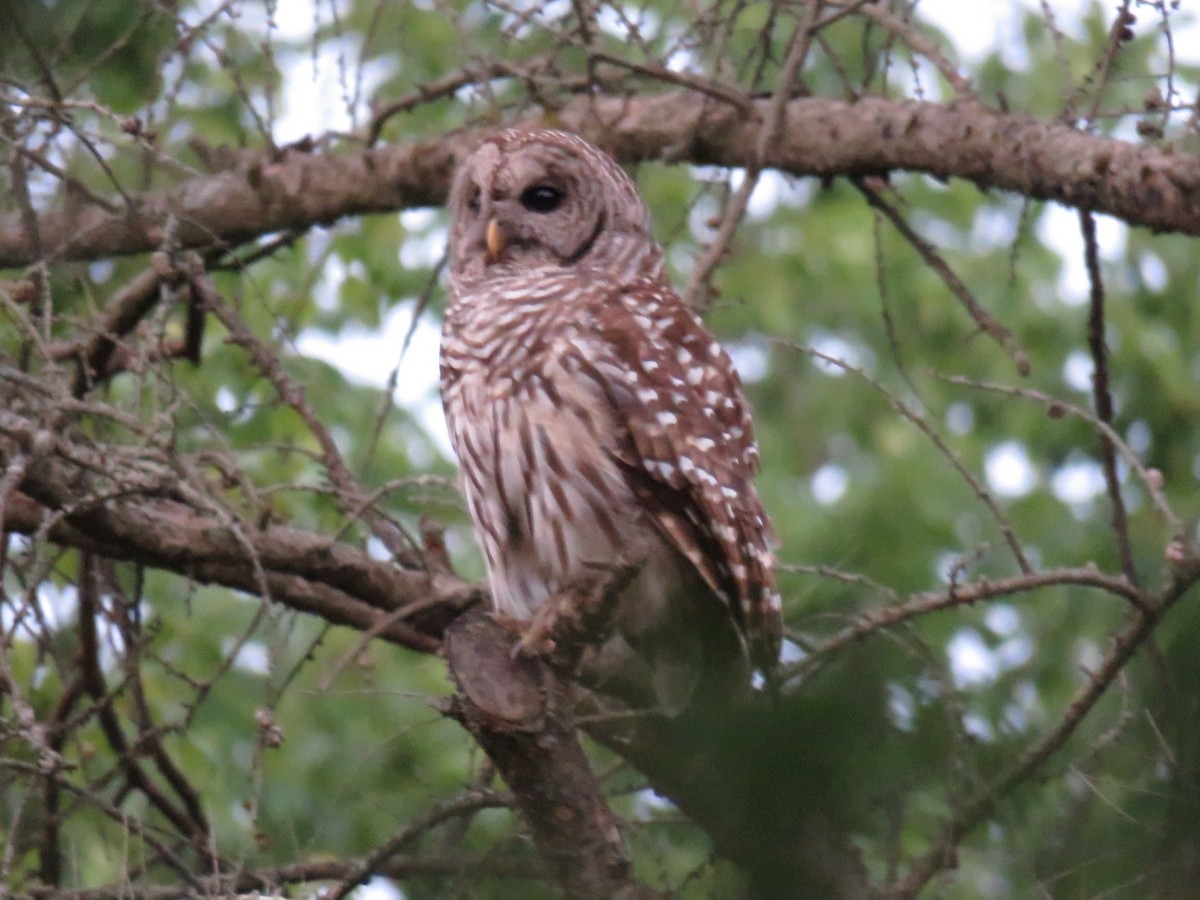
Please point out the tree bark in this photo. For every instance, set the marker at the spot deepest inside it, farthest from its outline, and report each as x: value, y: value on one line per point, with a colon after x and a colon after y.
x: 517, y: 711
x: 269, y: 191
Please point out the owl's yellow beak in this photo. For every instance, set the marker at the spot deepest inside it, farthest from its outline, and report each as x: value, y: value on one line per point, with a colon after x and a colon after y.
x: 496, y: 239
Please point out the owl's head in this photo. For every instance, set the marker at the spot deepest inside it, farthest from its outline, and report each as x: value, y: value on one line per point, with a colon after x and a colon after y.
x: 528, y: 201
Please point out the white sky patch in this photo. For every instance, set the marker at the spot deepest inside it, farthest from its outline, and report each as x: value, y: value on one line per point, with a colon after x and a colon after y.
x: 829, y: 484
x: 1078, y: 481
x: 252, y: 658
x: 770, y: 187
x: 1025, y: 707
x: 1009, y: 471
x: 681, y: 60
x: 1139, y: 437
x: 838, y: 348
x: 902, y: 707
x: 378, y: 888
x: 751, y: 358
x: 1077, y: 370
x: 791, y: 652
x: 947, y: 566
x: 1014, y: 652
x: 58, y: 607
x: 960, y: 418
x: 1153, y: 271
x: 619, y: 23
x: 649, y: 805
x: 328, y: 91
x: 938, y: 230
x: 422, y: 250
x: 1002, y: 619
x: 976, y: 29
x: 1058, y: 226
x: 368, y: 357
x: 994, y: 226
x: 330, y: 88
x: 972, y: 664
x: 1088, y: 658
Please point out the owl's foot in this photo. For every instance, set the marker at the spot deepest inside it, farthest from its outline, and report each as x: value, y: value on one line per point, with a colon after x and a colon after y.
x: 537, y: 638
x: 578, y: 616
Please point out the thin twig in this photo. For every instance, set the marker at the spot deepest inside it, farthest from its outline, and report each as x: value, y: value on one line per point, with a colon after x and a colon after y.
x: 1151, y: 478
x: 1125, y: 643
x: 984, y: 495
x: 989, y: 326
x: 470, y: 802
x: 919, y: 43
x: 1102, y: 395
x: 961, y: 595
x: 697, y: 288
x: 350, y: 494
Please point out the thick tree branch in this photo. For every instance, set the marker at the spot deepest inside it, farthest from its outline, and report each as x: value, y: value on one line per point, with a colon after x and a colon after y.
x: 142, y: 523
x: 515, y: 709
x: 307, y: 572
x: 270, y: 192
x: 760, y: 815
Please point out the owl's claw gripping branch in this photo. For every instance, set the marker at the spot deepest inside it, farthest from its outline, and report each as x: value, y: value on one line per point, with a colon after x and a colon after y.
x: 579, y: 616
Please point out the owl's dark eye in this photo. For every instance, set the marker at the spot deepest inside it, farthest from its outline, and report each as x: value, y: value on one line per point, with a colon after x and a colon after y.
x: 542, y: 198
x: 473, y: 200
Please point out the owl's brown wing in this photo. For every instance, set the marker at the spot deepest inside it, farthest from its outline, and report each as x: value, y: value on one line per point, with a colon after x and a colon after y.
x: 687, y: 447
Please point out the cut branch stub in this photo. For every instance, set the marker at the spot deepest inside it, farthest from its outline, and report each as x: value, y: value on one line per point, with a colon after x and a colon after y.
x: 502, y: 686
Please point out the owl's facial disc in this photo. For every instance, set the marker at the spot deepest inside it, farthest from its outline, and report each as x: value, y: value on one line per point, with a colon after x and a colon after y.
x: 535, y: 200
x: 539, y: 214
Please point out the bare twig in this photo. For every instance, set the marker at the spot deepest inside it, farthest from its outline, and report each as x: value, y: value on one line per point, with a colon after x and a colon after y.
x: 1102, y: 395
x: 195, y: 830
x: 988, y: 325
x: 961, y: 595
x: 696, y: 293
x: 350, y: 495
x: 1151, y: 479
x: 922, y: 425
x: 1124, y: 644
x: 470, y: 802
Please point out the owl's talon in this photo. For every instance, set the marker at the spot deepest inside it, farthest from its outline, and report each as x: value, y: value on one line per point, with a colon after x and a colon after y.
x: 536, y: 645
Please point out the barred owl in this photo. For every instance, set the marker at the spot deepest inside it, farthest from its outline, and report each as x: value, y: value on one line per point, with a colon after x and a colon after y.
x: 596, y: 421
